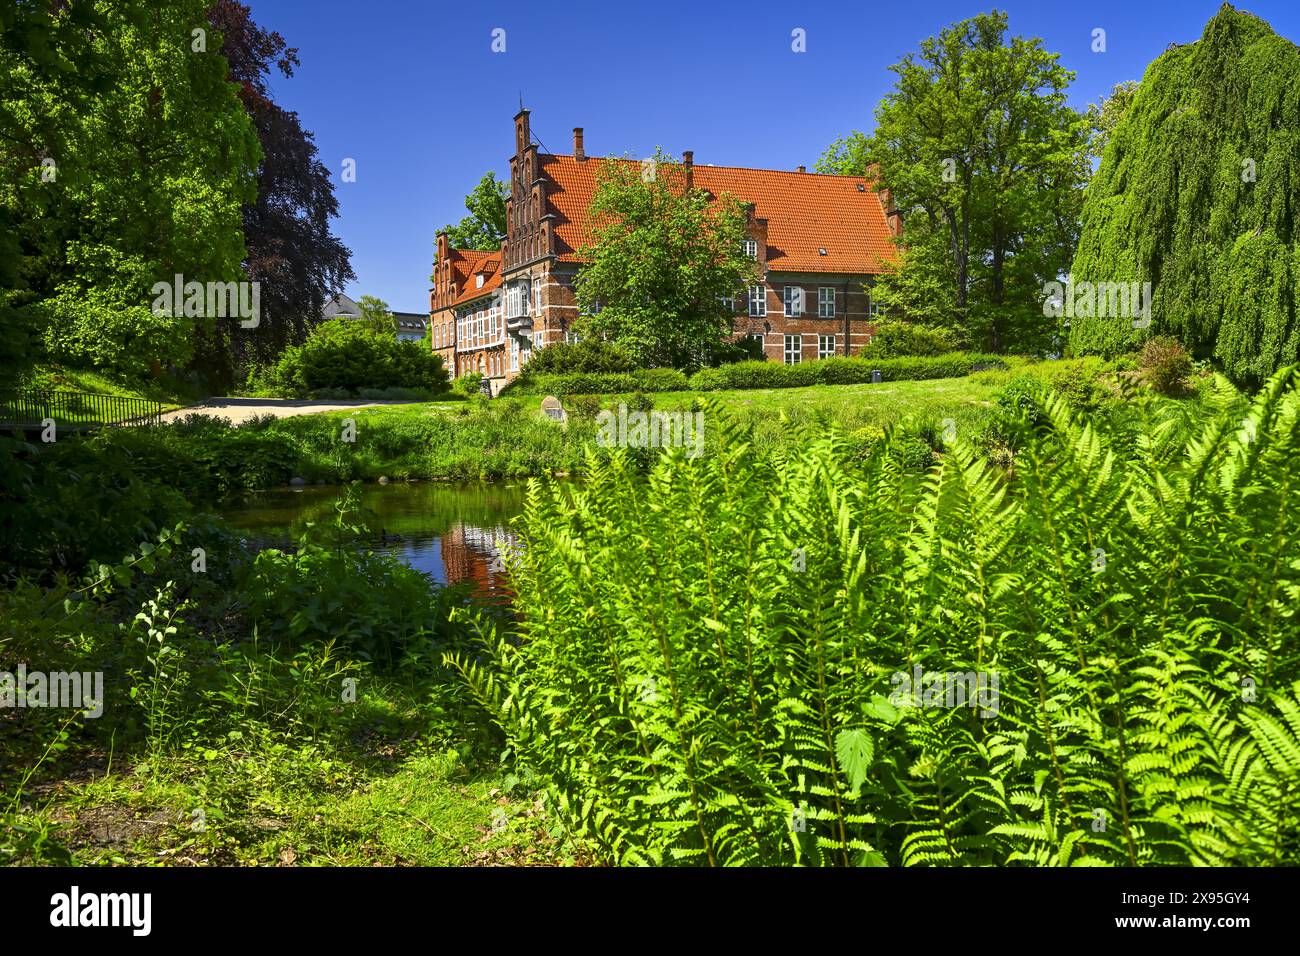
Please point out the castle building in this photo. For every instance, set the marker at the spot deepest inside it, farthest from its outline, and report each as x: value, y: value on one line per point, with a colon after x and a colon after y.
x: 820, y: 242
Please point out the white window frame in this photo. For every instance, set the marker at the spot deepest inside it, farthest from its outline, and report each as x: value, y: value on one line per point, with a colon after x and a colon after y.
x: 757, y: 301
x: 792, y: 300
x: 826, y: 302
x: 751, y: 248
x: 514, y: 307
x: 537, y: 296
x: 796, y: 352
x: 537, y: 339
x: 478, y: 281
x: 514, y: 355
x: 728, y: 302
x: 875, y: 310
x: 825, y: 350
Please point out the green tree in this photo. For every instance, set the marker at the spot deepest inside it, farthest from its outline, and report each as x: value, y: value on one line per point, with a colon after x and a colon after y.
x: 977, y: 145
x: 1103, y: 117
x: 661, y: 259
x: 150, y: 173
x: 376, y: 314
x: 1198, y: 194
x: 485, y: 226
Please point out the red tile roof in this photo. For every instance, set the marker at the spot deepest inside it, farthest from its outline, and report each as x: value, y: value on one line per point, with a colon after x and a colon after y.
x: 467, y: 263
x: 805, y: 212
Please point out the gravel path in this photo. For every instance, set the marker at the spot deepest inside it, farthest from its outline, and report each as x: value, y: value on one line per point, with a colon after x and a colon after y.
x: 240, y: 410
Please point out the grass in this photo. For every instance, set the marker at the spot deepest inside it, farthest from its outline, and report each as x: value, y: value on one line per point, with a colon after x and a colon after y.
x: 171, y: 392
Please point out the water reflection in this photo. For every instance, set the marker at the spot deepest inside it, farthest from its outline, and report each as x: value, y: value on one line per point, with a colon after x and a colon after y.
x: 453, y: 533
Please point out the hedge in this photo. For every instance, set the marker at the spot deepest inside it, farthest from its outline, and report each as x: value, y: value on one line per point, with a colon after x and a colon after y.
x: 600, y: 383
x: 840, y: 371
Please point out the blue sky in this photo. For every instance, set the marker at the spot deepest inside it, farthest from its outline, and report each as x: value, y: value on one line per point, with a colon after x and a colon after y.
x: 411, y: 90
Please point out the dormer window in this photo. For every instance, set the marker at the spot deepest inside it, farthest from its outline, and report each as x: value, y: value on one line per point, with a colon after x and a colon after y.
x: 478, y: 279
x: 751, y: 248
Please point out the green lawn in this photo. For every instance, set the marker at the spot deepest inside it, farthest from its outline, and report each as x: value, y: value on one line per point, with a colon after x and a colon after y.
x: 170, y: 392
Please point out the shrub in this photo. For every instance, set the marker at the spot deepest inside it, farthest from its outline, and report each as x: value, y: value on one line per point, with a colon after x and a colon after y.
x: 468, y: 384
x: 895, y: 339
x: 94, y: 331
x: 839, y: 371
x: 734, y: 643
x: 587, y: 355
x: 583, y: 407
x: 1165, y: 365
x: 599, y: 383
x: 741, y: 350
x: 352, y: 355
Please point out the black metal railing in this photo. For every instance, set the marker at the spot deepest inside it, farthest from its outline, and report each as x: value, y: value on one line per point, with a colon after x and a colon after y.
x: 75, y: 411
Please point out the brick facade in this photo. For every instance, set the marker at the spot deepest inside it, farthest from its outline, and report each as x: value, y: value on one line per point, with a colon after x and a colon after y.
x: 824, y: 237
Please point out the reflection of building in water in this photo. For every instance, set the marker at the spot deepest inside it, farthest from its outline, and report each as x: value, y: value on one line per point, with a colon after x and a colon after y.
x: 480, y: 556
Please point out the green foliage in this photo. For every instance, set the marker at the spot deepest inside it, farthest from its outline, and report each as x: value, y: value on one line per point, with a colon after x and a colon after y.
x: 592, y: 383
x: 587, y: 355
x: 709, y: 663
x: 354, y: 354
x: 125, y: 207
x: 979, y: 148
x: 1165, y: 365
x: 661, y: 259
x: 1197, y: 194
x: 94, y: 330
x: 1103, y: 117
x: 374, y: 606
x: 468, y: 384
x: 375, y: 312
x: 838, y: 371
x: 895, y: 339
x: 485, y: 226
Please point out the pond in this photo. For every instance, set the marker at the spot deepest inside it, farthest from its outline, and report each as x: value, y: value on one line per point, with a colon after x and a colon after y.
x: 451, y: 532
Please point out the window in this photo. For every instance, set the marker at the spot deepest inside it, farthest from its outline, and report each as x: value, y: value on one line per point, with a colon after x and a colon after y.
x: 728, y: 302
x: 537, y: 297
x: 793, y: 349
x: 826, y: 302
x: 478, y: 281
x: 537, y: 339
x: 792, y: 297
x: 876, y: 310
x: 751, y: 248
x: 514, y: 355
x: 571, y: 337
x: 756, y: 337
x: 825, y: 346
x: 514, y: 304
x: 757, y: 300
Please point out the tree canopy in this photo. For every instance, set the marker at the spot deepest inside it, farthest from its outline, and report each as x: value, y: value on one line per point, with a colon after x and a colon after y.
x: 980, y: 150
x: 485, y: 226
x: 287, y: 229
x: 662, y: 259
x: 1198, y: 193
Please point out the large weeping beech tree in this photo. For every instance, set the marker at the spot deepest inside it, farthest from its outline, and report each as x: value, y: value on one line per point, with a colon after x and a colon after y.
x: 1198, y: 194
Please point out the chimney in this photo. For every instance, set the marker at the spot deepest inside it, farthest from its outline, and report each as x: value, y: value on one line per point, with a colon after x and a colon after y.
x: 801, y: 169
x: 578, y: 152
x: 688, y: 161
x: 523, y: 135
